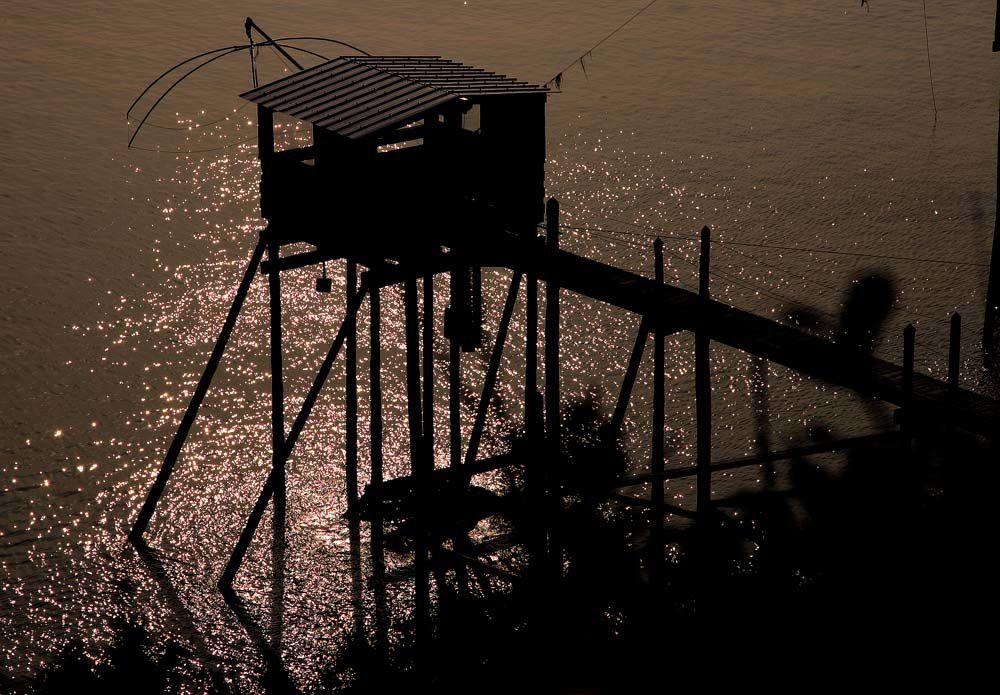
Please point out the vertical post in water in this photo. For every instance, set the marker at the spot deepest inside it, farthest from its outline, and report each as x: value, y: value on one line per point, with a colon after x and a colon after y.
x: 454, y: 374
x: 531, y: 340
x: 417, y: 454
x: 412, y: 337
x: 375, y: 382
x: 703, y: 382
x: 428, y: 393
x: 993, y: 283
x: 351, y: 386
x: 954, y: 350
x: 375, y: 433
x: 553, y: 486
x: 552, y: 327
x: 909, y: 343
x: 279, y: 453
x: 656, y: 462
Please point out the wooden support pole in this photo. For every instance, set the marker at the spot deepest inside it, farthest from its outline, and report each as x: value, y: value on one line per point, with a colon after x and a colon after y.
x: 631, y: 372
x: 276, y: 474
x: 493, y: 369
x: 428, y: 392
x: 992, y: 308
x: 377, y: 547
x: 412, y: 335
x: 703, y: 385
x: 530, y: 351
x: 170, y: 460
x: 351, y: 387
x: 552, y: 331
x: 375, y: 384
x: 909, y: 344
x: 278, y: 449
x: 417, y: 454
x: 954, y: 351
x: 656, y: 457
x: 454, y: 375
x: 553, y: 486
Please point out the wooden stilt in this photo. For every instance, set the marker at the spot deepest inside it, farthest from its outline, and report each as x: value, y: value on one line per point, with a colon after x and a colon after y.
x: 493, y: 369
x: 278, y: 457
x: 552, y: 332
x: 170, y: 460
x: 377, y: 547
x: 703, y: 386
x: 954, y: 351
x: 417, y: 467
x: 656, y: 458
x: 351, y: 388
x: 553, y: 487
x: 454, y: 375
x: 428, y: 392
x: 631, y: 372
x: 530, y: 353
x: 375, y: 384
x: 412, y: 329
x: 909, y: 344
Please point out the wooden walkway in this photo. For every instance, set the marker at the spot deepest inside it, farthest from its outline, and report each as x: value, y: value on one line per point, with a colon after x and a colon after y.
x: 788, y: 346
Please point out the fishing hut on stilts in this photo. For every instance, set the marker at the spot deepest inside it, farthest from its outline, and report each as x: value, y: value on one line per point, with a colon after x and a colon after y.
x: 420, y: 167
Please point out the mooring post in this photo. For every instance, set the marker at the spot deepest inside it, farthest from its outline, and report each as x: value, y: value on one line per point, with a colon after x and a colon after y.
x: 170, y: 460
x: 703, y: 383
x: 656, y: 462
x: 531, y: 343
x: 552, y: 329
x: 954, y: 350
x: 428, y: 392
x: 351, y: 387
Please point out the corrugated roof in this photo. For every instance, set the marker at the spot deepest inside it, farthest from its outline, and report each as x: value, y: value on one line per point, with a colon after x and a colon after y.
x: 356, y: 96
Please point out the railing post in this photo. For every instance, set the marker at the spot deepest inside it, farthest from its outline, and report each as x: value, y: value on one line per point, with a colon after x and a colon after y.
x: 909, y: 342
x: 656, y: 462
x: 954, y: 350
x: 703, y: 383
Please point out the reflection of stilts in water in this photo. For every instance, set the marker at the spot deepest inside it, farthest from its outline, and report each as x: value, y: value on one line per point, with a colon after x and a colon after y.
x: 183, y: 616
x: 276, y: 678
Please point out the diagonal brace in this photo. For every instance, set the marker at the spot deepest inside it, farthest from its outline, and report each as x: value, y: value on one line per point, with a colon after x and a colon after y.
x: 149, y: 506
x: 642, y: 336
x: 492, y: 369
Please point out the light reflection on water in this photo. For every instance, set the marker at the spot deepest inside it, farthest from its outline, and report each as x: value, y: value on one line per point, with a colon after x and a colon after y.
x: 72, y: 488
x: 169, y: 330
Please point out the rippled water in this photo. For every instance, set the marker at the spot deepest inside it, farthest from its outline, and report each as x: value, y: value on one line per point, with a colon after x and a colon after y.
x: 806, y: 124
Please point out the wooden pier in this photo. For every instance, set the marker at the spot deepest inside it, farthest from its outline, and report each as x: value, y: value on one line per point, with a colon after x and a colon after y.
x: 443, y: 224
